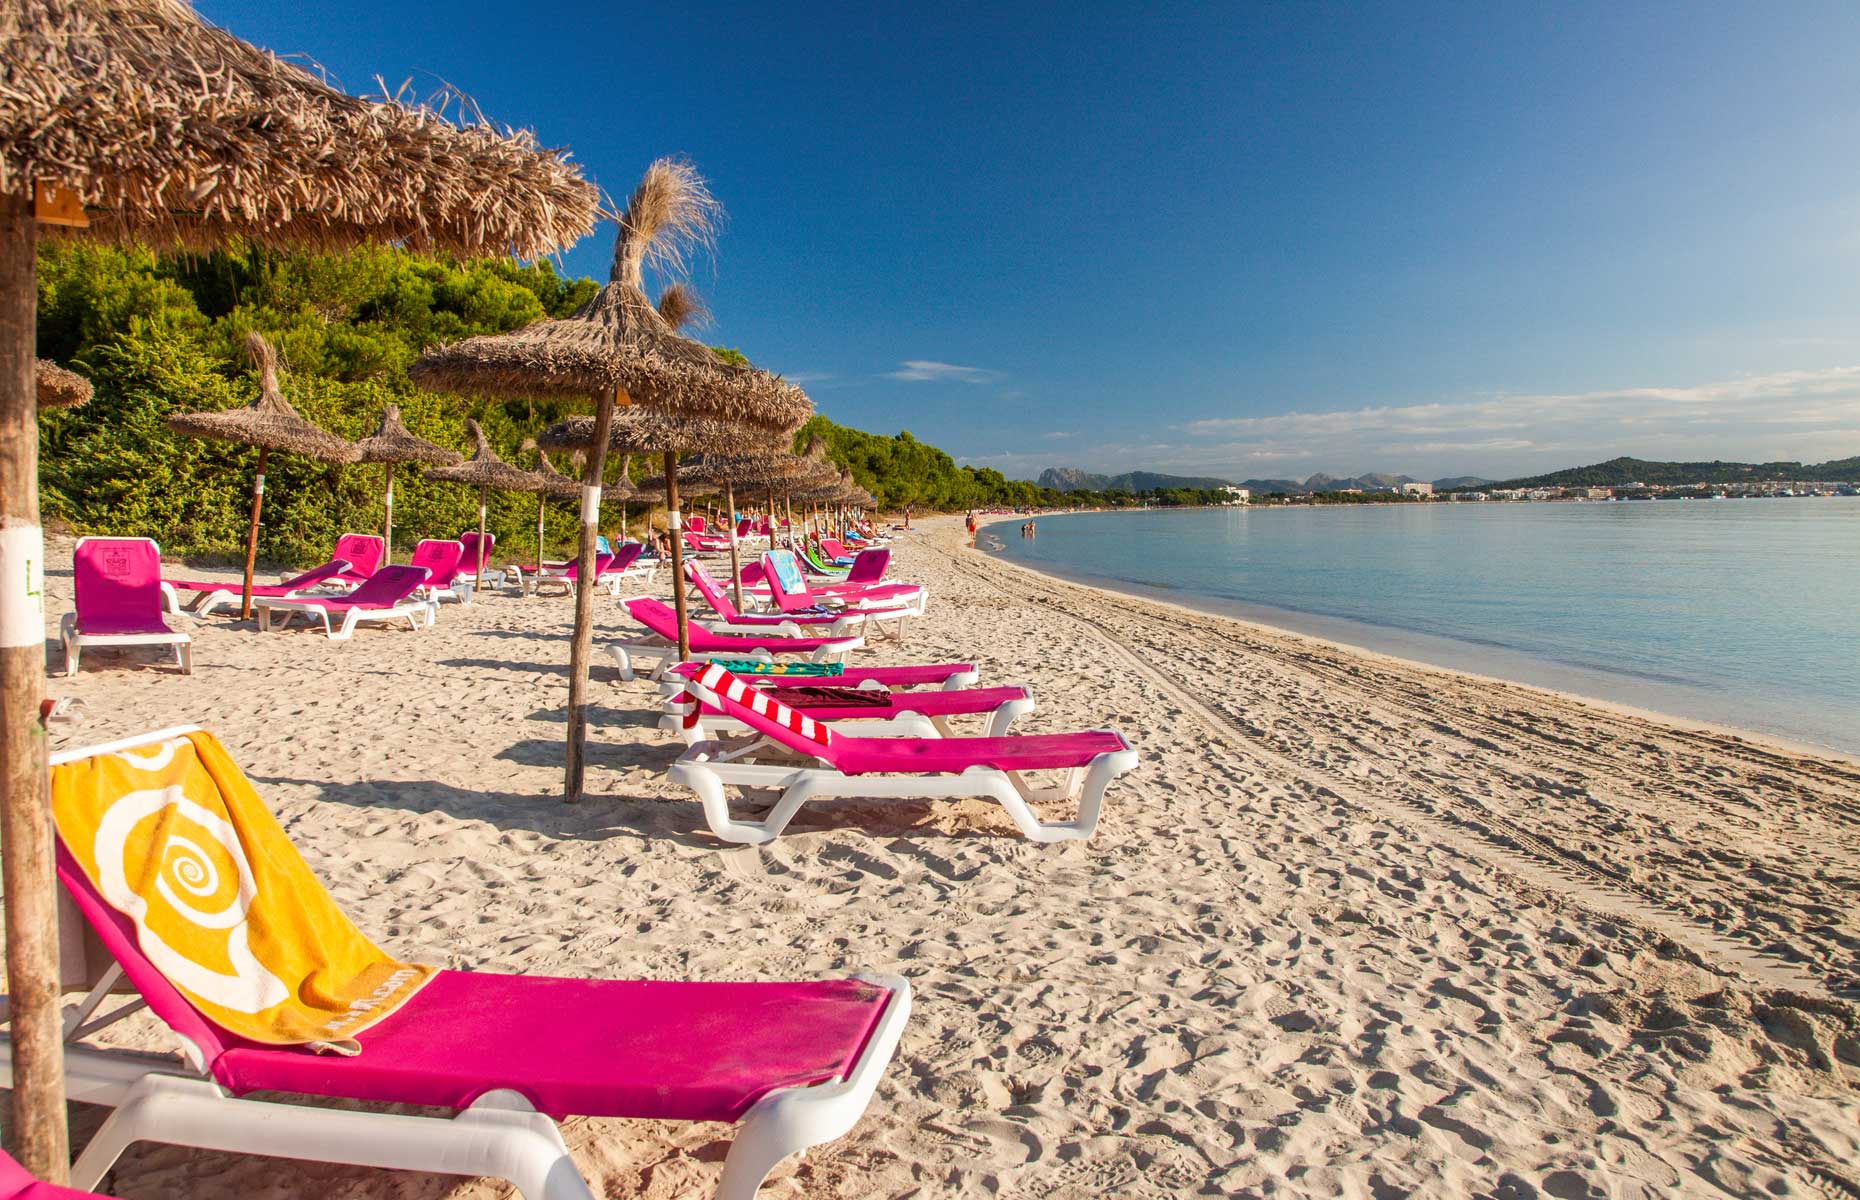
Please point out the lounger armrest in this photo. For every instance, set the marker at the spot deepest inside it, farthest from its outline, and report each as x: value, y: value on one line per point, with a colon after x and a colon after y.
x: 792, y: 1119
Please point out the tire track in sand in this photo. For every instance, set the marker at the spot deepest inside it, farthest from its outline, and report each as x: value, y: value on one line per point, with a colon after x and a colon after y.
x: 1499, y: 843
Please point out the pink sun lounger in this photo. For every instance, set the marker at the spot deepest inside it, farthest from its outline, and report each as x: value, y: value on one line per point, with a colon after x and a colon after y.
x: 610, y: 570
x: 387, y: 596
x: 808, y: 758
x: 119, y: 601
x: 792, y: 594
x: 364, y: 552
x: 793, y: 1064
x: 444, y: 562
x: 471, y: 552
x: 868, y: 570
x: 661, y: 641
x: 17, y: 1183
x: 840, y: 622
x: 211, y: 595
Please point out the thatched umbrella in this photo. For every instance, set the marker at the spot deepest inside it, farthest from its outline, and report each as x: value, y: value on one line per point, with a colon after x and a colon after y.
x: 269, y: 423
x: 484, y: 471
x: 394, y: 443
x: 620, y: 351
x: 59, y: 387
x: 139, y: 121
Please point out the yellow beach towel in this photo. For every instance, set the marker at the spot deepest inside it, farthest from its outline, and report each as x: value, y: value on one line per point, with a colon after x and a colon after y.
x: 173, y: 837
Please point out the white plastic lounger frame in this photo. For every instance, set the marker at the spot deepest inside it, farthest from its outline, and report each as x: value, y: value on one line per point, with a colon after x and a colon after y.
x: 709, y: 767
x: 159, y: 1099
x: 275, y: 613
x: 707, y: 771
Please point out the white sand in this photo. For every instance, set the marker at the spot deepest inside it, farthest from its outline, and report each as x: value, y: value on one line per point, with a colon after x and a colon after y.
x: 1355, y: 927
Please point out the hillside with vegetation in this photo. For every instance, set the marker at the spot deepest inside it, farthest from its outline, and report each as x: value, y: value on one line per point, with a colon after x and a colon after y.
x: 1620, y: 472
x: 161, y: 334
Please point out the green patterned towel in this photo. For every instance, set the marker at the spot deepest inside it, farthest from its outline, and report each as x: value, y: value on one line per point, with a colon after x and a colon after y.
x: 756, y: 666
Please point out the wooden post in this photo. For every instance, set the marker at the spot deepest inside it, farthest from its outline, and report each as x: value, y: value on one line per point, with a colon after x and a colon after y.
x: 38, y: 1136
x: 387, y: 522
x: 736, y: 570
x: 675, y: 524
x: 771, y: 515
x: 251, y: 535
x: 582, y: 645
x: 477, y: 579
x: 542, y: 503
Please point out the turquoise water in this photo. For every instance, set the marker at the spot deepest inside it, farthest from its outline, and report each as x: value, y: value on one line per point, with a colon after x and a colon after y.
x: 1737, y: 612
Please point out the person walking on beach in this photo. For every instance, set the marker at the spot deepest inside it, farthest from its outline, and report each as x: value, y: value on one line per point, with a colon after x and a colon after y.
x: 907, y: 516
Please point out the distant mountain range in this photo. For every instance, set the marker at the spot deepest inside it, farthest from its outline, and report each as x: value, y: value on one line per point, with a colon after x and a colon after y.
x: 1071, y: 479
x: 1617, y: 472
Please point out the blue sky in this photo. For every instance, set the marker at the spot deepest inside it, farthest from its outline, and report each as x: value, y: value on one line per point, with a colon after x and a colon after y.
x: 1243, y: 240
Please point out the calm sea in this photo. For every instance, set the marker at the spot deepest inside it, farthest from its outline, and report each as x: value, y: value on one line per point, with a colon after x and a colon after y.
x: 1738, y: 612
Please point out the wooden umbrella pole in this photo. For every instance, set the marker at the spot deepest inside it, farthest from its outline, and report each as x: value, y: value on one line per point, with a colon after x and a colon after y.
x: 38, y: 1133
x: 736, y: 570
x: 771, y: 516
x: 477, y: 578
x: 788, y: 503
x: 387, y: 521
x: 38, y: 1136
x: 251, y: 534
x: 542, y: 503
x: 676, y: 524
x: 582, y: 645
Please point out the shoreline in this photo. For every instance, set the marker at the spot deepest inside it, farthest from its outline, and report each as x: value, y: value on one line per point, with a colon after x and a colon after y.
x: 1260, y: 617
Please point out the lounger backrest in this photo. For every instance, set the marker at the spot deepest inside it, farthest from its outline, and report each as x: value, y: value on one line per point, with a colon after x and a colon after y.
x: 832, y: 546
x: 786, y: 582
x: 362, y: 551
x: 869, y: 566
x: 655, y: 615
x: 707, y: 588
x: 694, y: 523
x: 442, y: 559
x: 753, y: 574
x: 317, y: 574
x: 389, y: 586
x: 742, y: 528
x: 626, y: 556
x: 758, y: 709
x: 472, y: 552
x: 117, y: 579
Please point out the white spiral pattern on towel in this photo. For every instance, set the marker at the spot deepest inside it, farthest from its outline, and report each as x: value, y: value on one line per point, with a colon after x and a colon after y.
x: 250, y: 988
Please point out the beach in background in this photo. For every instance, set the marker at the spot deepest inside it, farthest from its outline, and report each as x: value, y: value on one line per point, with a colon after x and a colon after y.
x: 1355, y: 927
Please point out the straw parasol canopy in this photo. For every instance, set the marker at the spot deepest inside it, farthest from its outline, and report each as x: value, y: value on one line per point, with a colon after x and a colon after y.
x: 169, y: 130
x: 394, y: 443
x: 136, y: 121
x: 651, y: 431
x: 60, y: 387
x: 618, y: 341
x: 484, y: 469
x: 269, y: 422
